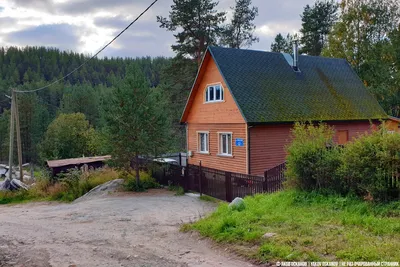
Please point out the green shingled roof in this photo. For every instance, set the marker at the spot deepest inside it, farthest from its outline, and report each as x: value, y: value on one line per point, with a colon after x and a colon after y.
x: 267, y: 89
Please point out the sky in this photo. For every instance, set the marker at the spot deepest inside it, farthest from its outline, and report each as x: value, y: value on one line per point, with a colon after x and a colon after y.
x: 85, y: 26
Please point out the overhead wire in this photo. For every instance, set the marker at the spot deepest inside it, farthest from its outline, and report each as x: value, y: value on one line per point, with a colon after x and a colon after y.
x: 95, y: 55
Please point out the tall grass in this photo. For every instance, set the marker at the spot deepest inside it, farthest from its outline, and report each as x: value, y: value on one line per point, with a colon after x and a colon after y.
x: 73, y: 185
x: 308, y: 226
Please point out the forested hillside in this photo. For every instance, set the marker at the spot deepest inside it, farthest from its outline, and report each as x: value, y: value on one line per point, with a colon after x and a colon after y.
x: 32, y: 67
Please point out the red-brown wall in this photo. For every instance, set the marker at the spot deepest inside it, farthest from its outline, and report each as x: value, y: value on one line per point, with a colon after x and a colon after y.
x: 267, y: 143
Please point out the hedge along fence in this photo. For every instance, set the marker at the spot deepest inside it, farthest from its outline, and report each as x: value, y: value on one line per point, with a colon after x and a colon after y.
x: 369, y: 166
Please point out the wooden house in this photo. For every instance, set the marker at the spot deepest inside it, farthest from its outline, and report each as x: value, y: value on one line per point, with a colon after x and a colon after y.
x: 243, y: 105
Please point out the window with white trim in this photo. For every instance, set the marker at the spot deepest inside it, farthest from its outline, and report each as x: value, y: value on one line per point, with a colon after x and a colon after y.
x: 214, y: 93
x: 225, y: 144
x: 203, y: 142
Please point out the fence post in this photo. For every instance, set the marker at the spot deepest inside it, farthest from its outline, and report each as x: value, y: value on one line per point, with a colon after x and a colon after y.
x: 180, y: 159
x: 200, y: 178
x: 228, y: 186
x: 265, y: 184
x: 186, y: 177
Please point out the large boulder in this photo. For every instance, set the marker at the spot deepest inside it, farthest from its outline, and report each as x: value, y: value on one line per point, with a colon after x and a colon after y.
x: 237, y: 204
x: 102, y: 190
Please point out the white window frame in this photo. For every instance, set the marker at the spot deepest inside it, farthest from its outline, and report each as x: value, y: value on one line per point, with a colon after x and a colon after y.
x: 207, y: 93
x: 220, y: 148
x: 199, y: 142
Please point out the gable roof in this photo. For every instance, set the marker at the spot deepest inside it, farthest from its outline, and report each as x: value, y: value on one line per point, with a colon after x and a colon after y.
x: 266, y: 89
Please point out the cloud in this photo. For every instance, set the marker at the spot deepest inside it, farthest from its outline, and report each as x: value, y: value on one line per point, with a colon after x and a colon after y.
x: 79, y: 7
x: 62, y: 36
x: 34, y: 4
x: 119, y: 22
x: 146, y: 41
x: 7, y: 21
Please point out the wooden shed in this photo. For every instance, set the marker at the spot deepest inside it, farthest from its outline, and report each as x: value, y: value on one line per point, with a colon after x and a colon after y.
x: 63, y: 165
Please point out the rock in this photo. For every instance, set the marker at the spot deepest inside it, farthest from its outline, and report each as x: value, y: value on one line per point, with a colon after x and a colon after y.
x: 102, y: 190
x: 237, y: 204
x: 268, y: 235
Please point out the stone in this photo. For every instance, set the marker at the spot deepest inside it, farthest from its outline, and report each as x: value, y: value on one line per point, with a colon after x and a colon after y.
x: 268, y: 235
x: 102, y: 190
x: 237, y: 204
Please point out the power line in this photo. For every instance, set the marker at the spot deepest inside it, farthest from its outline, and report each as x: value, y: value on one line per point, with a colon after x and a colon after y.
x: 95, y: 55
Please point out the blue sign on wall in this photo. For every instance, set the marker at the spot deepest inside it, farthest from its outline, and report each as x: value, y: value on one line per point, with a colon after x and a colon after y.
x: 239, y: 142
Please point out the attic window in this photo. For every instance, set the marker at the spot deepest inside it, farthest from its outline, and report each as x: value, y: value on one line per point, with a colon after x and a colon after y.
x: 214, y: 93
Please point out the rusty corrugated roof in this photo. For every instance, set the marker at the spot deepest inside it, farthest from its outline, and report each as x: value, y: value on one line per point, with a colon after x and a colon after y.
x: 75, y: 161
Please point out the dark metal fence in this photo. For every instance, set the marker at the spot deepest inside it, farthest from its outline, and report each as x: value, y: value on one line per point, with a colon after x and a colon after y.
x: 217, y: 183
x: 274, y: 178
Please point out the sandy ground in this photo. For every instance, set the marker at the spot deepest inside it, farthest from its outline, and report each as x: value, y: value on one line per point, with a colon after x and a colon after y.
x: 116, y: 230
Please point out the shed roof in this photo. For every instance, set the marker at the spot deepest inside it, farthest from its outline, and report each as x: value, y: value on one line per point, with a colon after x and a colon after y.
x: 267, y: 89
x: 75, y: 161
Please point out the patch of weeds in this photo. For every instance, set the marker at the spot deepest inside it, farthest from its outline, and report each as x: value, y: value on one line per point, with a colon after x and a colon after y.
x: 67, y: 187
x: 208, y: 199
x: 187, y: 227
x: 179, y: 191
x: 146, y: 182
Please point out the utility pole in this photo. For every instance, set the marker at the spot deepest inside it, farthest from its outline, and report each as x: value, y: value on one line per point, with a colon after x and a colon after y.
x: 10, y: 157
x: 19, y: 145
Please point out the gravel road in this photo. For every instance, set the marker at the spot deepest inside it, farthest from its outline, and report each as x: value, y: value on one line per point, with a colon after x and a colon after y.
x: 116, y: 230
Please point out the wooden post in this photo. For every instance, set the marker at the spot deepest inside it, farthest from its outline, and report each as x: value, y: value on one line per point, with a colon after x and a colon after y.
x: 10, y: 155
x: 19, y: 144
x: 200, y: 178
x: 228, y: 186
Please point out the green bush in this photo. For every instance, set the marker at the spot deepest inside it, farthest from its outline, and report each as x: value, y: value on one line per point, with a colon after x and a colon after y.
x: 313, y: 158
x: 371, y: 165
x: 146, y: 182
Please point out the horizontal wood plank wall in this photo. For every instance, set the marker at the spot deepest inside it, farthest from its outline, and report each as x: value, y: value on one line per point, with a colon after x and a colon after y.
x: 219, y: 112
x: 267, y: 143
x: 267, y: 147
x: 354, y: 129
x: 237, y: 163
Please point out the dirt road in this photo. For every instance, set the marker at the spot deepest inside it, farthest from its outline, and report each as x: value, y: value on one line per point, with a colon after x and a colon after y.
x: 118, y: 230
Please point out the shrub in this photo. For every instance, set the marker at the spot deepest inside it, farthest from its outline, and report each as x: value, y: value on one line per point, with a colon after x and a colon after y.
x: 313, y: 158
x: 371, y: 165
x: 146, y: 182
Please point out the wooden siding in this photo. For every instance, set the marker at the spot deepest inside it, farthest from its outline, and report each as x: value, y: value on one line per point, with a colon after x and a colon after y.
x: 393, y: 125
x: 237, y: 163
x: 267, y: 147
x: 267, y: 143
x: 220, y: 112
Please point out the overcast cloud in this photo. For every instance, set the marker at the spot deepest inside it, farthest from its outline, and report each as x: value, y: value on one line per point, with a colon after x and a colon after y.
x: 86, y: 25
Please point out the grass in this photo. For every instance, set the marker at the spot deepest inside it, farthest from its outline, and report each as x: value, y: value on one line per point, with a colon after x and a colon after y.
x: 308, y: 226
x: 73, y: 186
x: 179, y: 191
x: 209, y: 199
